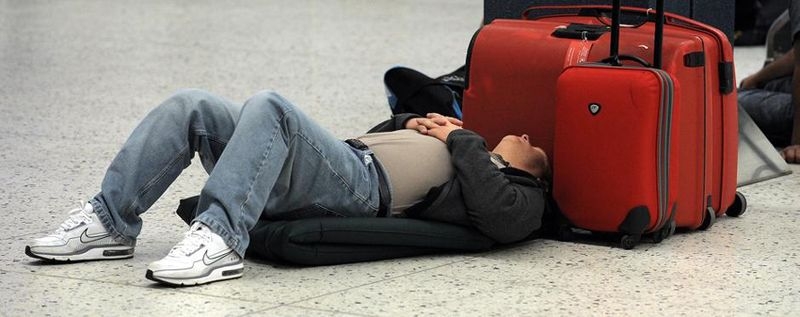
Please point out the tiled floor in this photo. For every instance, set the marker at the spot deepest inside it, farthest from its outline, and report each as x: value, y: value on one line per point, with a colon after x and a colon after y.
x: 76, y: 76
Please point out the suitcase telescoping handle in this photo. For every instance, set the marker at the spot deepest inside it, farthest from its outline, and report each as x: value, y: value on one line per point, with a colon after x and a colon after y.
x: 615, y: 58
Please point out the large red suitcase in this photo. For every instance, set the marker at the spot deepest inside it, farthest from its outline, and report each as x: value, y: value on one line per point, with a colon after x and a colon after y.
x: 513, y: 66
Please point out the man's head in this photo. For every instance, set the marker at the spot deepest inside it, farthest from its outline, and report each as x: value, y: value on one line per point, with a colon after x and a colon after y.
x: 519, y: 153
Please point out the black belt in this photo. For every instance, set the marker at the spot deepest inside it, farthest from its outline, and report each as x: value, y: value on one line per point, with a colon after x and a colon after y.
x: 383, y: 185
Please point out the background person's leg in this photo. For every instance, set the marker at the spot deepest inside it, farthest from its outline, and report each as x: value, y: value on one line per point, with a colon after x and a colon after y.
x: 783, y: 84
x: 771, y: 111
x: 281, y: 162
x: 156, y: 152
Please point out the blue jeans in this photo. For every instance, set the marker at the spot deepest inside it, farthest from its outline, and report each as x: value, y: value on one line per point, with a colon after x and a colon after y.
x: 265, y: 158
x: 771, y: 109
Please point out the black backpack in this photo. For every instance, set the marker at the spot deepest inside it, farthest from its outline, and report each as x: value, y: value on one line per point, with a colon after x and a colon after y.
x: 410, y: 91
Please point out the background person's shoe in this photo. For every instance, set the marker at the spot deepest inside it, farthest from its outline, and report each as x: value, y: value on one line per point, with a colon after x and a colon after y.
x: 80, y: 238
x: 202, y: 257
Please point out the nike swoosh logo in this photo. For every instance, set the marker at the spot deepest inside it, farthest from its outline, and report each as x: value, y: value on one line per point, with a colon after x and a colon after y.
x: 86, y: 238
x: 211, y: 260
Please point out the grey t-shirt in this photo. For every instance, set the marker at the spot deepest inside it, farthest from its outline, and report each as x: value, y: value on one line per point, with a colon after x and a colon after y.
x: 415, y: 163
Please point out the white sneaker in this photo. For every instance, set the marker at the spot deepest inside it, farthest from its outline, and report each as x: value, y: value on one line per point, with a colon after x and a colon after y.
x: 81, y: 237
x: 202, y: 257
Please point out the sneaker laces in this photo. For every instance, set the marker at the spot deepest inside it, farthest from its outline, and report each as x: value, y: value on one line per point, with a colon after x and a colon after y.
x: 192, y: 240
x: 77, y: 217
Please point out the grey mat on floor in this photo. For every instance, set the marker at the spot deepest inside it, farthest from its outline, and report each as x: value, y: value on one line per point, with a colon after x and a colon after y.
x: 758, y: 159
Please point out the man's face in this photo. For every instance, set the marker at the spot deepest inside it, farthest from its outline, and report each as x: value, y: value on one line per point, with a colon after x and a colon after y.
x: 517, y: 150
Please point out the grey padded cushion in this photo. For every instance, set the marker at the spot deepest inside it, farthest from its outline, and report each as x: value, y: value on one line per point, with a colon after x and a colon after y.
x: 325, y: 241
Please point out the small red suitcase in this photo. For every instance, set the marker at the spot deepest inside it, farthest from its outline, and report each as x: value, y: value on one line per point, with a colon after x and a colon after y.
x: 615, y: 163
x: 615, y: 139
x: 513, y: 66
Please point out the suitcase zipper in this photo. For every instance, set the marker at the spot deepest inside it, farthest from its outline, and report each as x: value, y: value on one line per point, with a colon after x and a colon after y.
x: 664, y: 145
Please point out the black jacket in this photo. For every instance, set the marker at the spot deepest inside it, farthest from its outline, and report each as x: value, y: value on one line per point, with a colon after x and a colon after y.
x: 505, y: 204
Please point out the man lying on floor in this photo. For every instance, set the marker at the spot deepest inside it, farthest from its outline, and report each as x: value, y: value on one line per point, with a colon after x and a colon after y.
x: 267, y: 157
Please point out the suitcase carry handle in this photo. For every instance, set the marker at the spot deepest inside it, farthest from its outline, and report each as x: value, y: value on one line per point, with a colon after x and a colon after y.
x: 611, y: 60
x: 726, y: 72
x: 616, y: 10
x: 579, y: 10
x: 596, y: 10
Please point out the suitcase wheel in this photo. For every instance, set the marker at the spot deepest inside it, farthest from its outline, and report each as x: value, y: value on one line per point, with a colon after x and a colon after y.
x: 709, y: 219
x: 627, y: 241
x: 672, y: 229
x: 739, y: 206
x: 664, y: 233
x: 565, y: 233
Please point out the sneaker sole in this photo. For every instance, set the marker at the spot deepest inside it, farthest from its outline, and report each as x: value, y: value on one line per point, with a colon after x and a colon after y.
x: 218, y: 274
x: 91, y: 254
